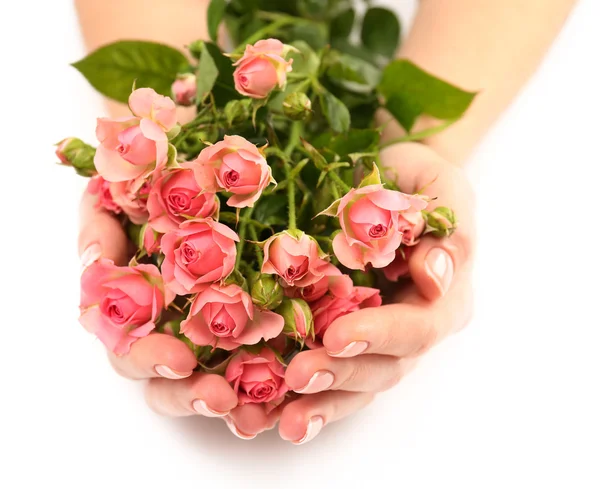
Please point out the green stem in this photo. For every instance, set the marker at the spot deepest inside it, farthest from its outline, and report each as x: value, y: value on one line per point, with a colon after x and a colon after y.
x: 291, y: 184
x: 243, y: 229
x: 336, y: 178
x: 254, y: 237
x: 418, y: 136
x: 265, y: 32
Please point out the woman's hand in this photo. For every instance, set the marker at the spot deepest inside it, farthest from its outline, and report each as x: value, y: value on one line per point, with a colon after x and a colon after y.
x: 173, y: 389
x: 370, y: 351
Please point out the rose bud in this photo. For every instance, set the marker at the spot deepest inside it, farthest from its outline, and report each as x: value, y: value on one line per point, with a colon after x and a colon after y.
x: 233, y: 165
x: 441, y: 222
x: 262, y: 68
x: 297, y: 106
x: 176, y: 197
x: 120, y: 304
x: 331, y: 307
x: 295, y: 257
x: 150, y: 239
x: 298, y: 318
x: 101, y: 189
x: 412, y: 226
x: 74, y: 152
x: 333, y: 280
x: 267, y: 293
x: 198, y: 253
x: 132, y: 197
x: 224, y: 317
x: 136, y: 146
x: 369, y: 218
x: 257, y: 378
x: 238, y: 111
x: 184, y: 89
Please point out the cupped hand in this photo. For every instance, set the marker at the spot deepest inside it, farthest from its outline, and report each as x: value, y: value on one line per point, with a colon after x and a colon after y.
x: 173, y: 388
x: 370, y: 350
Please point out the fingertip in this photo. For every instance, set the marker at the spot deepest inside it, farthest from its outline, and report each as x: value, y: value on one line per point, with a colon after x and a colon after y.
x: 249, y: 419
x: 344, y: 331
x: 432, y: 267
x: 217, y: 393
x: 293, y: 422
x: 300, y: 369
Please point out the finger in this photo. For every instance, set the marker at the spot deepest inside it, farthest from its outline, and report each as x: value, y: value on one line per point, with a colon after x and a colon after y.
x: 302, y: 420
x: 204, y: 394
x: 156, y: 355
x: 314, y: 371
x: 100, y: 235
x: 433, y: 263
x: 249, y: 420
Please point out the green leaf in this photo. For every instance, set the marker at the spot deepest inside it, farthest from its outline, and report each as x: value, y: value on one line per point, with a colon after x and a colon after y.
x: 335, y: 112
x: 373, y: 178
x: 355, y: 141
x: 224, y: 88
x: 306, y: 61
x: 342, y: 24
x: 206, y: 74
x: 216, y: 11
x: 315, y: 35
x: 112, y: 69
x: 410, y: 92
x: 354, y: 74
x: 381, y: 32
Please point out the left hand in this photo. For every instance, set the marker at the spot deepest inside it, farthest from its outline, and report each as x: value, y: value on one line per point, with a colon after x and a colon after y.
x: 370, y: 350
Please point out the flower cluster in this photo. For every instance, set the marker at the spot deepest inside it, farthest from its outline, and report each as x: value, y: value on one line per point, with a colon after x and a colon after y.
x: 228, y: 258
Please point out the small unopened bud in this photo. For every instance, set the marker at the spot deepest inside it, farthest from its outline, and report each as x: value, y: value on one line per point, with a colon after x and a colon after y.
x: 238, y: 111
x: 267, y: 293
x: 298, y: 318
x: 297, y: 106
x: 74, y: 152
x: 195, y: 48
x: 441, y: 222
x: 184, y: 89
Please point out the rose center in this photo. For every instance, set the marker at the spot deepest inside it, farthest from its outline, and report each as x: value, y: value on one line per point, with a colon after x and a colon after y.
x: 188, y: 254
x: 244, y: 80
x: 116, y: 314
x: 219, y: 329
x: 377, y: 231
x: 123, y: 149
x: 178, y: 202
x: 261, y: 391
x: 232, y: 178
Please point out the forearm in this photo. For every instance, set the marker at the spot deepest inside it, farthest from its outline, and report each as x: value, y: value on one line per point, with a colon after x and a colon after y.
x: 172, y: 22
x: 487, y: 46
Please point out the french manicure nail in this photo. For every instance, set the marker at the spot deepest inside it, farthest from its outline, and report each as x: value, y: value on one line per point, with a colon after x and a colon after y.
x: 320, y: 381
x: 440, y: 268
x: 92, y: 253
x: 169, y: 373
x: 315, y: 425
x: 351, y: 350
x: 233, y: 428
x: 202, y: 408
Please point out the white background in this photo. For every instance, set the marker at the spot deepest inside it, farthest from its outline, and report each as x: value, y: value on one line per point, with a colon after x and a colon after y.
x: 512, y: 401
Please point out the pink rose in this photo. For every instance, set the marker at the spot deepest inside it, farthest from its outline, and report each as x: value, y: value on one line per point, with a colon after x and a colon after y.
x: 120, y: 304
x: 132, y: 197
x: 233, y: 165
x: 101, y: 188
x: 298, y: 318
x: 295, y: 257
x: 184, y: 89
x: 333, y: 280
x: 257, y: 378
x: 176, y: 197
x: 331, y: 307
x: 132, y: 147
x: 198, y: 253
x: 150, y: 240
x: 262, y: 68
x: 411, y: 225
x: 224, y: 317
x: 399, y: 267
x: 369, y: 218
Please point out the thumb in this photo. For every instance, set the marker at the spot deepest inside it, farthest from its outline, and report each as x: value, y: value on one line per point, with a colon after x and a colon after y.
x: 101, y: 235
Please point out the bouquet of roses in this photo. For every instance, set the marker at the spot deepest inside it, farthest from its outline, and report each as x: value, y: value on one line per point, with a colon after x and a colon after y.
x: 268, y: 215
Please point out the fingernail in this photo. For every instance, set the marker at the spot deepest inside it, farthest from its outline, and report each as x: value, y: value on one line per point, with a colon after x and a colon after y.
x: 351, y: 350
x: 440, y: 268
x: 315, y: 425
x: 92, y: 253
x: 233, y: 428
x: 169, y: 373
x: 320, y: 381
x: 202, y: 408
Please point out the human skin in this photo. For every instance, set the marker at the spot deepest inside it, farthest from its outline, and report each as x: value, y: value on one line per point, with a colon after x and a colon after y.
x: 463, y: 41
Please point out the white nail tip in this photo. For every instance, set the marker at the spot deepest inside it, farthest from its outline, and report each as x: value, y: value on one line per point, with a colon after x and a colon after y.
x: 233, y: 428
x: 92, y: 253
x: 320, y: 381
x: 169, y: 373
x: 315, y: 425
x: 202, y: 408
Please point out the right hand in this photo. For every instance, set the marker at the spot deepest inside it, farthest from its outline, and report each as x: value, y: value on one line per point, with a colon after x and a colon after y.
x: 173, y: 388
